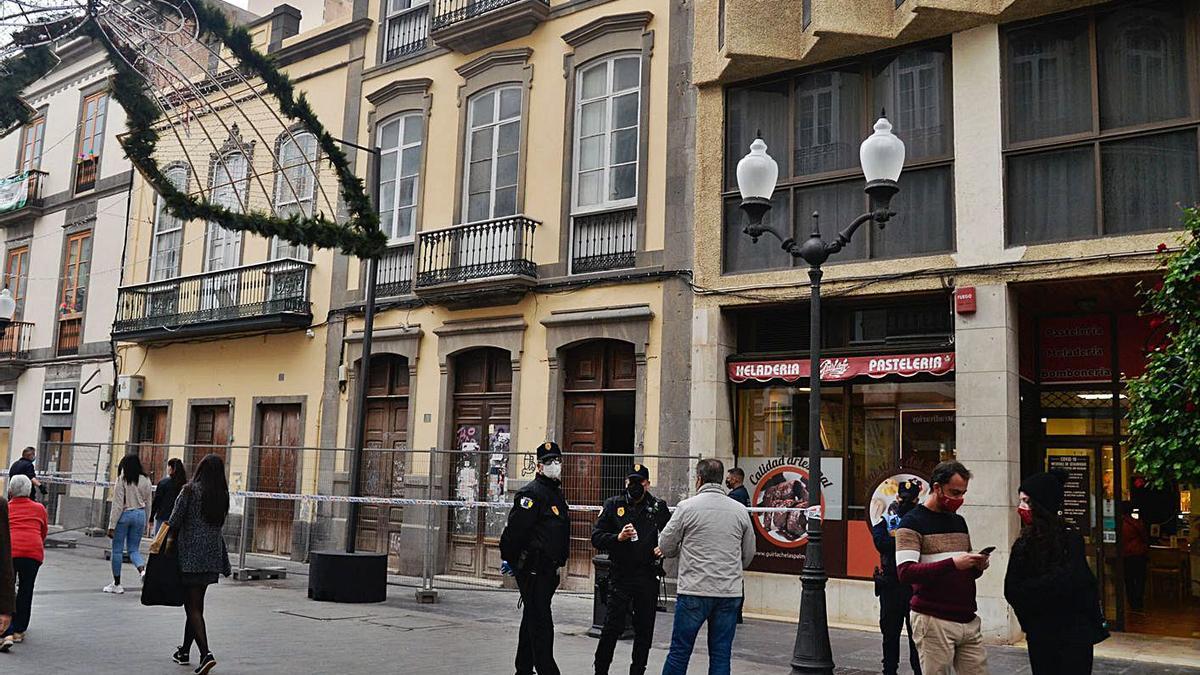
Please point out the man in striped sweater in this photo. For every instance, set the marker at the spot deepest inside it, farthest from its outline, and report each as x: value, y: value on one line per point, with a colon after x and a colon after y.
x: 933, y: 554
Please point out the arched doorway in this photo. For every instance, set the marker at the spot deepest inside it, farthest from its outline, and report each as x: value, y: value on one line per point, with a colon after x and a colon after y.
x: 481, y: 430
x: 599, y: 404
x: 383, y: 462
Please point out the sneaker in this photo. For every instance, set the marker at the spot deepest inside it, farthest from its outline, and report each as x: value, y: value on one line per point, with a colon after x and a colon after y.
x: 207, y: 663
x: 142, y: 574
x: 114, y: 588
x: 18, y: 637
x: 180, y: 656
x: 6, y: 644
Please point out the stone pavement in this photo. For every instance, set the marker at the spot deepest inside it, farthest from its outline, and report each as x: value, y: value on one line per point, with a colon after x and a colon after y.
x: 271, y: 627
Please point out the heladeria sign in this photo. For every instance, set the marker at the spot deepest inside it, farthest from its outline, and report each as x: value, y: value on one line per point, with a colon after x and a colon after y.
x: 843, y: 368
x: 783, y: 482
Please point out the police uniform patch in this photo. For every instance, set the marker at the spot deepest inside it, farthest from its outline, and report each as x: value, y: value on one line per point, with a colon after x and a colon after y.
x: 546, y: 446
x: 554, y: 509
x: 526, y: 503
x: 620, y: 511
x: 637, y: 467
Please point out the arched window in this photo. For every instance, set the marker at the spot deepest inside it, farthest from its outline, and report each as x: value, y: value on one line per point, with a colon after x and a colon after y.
x: 230, y: 188
x: 493, y: 154
x: 607, y: 113
x: 295, y: 186
x: 400, y: 140
x: 168, y: 232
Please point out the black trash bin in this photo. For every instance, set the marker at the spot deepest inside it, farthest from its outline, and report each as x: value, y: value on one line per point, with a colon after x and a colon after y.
x: 600, y: 599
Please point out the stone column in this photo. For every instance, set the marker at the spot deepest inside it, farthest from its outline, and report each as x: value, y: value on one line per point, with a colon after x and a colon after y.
x: 712, y: 416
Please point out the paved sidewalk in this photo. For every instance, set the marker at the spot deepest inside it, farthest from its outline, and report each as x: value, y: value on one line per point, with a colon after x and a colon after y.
x: 271, y: 627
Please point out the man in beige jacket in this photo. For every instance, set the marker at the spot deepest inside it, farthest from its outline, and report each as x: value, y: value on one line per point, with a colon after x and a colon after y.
x: 713, y: 538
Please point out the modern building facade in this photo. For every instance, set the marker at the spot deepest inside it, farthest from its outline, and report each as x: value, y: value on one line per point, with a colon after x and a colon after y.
x: 994, y: 320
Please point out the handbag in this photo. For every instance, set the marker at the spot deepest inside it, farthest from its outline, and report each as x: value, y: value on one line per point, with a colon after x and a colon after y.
x: 163, y: 583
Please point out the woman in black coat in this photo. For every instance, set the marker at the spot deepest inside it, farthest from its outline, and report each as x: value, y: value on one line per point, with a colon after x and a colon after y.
x: 1049, y: 584
x: 167, y: 492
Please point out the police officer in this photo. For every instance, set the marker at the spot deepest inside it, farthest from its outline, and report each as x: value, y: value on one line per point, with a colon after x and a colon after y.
x: 894, y: 597
x: 534, y: 545
x: 628, y: 530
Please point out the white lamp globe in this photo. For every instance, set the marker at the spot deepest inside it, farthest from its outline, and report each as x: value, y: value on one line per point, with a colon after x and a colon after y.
x: 757, y: 173
x: 882, y: 154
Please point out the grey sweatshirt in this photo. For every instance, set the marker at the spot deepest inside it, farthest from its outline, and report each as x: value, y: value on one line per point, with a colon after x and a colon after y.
x: 126, y: 497
x: 714, y: 539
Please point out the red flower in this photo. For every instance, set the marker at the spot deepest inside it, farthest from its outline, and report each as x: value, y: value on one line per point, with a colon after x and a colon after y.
x: 1158, y: 286
x: 1156, y: 321
x: 1189, y: 407
x: 1162, y: 247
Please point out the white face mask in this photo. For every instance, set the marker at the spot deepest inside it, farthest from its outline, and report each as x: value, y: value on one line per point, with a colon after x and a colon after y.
x: 552, y: 471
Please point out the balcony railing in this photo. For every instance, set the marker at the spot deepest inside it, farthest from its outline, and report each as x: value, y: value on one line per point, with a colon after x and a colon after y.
x: 604, y: 241
x: 496, y: 248
x: 267, y: 295
x: 85, y: 173
x: 470, y: 25
x: 407, y: 33
x: 395, y: 272
x: 70, y: 336
x: 21, y: 195
x: 14, y: 342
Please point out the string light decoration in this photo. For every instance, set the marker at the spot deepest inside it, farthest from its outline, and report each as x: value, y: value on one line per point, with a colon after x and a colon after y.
x: 213, y: 125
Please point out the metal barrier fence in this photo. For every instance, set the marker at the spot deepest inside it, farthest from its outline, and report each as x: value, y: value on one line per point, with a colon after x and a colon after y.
x: 438, y: 515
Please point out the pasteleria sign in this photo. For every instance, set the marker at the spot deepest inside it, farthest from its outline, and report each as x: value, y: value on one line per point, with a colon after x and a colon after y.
x: 838, y: 369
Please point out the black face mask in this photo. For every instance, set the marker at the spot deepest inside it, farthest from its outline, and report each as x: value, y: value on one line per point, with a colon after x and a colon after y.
x: 635, y: 490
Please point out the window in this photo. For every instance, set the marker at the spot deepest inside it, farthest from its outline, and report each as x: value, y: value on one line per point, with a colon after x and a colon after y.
x: 493, y: 154
x: 813, y: 124
x: 91, y: 140
x: 407, y: 28
x: 16, y: 274
x: 168, y: 232
x: 607, y: 114
x: 400, y: 140
x: 1101, y: 129
x: 32, y: 138
x: 295, y: 187
x: 76, y: 266
x: 230, y: 187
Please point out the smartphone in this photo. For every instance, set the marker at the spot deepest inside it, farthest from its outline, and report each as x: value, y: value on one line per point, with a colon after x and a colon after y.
x: 987, y: 551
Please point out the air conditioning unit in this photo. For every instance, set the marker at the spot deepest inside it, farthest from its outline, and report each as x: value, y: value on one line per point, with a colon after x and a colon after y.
x: 131, y: 387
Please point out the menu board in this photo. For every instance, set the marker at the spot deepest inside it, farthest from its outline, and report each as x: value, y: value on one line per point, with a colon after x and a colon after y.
x: 1077, y: 500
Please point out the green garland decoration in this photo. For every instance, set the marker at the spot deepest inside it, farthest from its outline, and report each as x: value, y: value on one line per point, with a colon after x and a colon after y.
x: 359, y: 236
x: 1164, y: 413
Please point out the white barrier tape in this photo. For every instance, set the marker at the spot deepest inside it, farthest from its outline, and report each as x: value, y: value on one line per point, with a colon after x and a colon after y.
x: 378, y: 501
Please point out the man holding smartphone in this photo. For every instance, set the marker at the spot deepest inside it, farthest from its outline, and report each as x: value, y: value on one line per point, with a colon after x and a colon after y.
x: 933, y: 555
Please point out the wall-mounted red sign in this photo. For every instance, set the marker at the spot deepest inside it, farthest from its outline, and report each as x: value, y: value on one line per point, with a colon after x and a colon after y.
x: 843, y: 368
x: 964, y: 300
x: 1075, y: 349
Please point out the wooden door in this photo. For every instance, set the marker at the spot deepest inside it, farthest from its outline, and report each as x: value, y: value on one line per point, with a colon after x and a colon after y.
x: 583, y: 436
x: 210, y: 435
x: 150, y: 438
x: 384, y: 460
x: 274, y: 470
x: 478, y: 469
x: 55, y: 457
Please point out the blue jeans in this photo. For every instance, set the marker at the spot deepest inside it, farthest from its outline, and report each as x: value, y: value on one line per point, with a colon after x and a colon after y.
x: 691, y: 611
x: 127, y: 537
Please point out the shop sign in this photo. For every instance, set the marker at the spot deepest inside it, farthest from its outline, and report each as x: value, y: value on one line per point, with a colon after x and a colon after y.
x: 843, y: 368
x: 1077, y: 502
x: 783, y: 482
x: 1075, y: 349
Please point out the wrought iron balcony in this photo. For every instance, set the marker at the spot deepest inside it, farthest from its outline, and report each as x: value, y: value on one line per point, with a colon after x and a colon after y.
x: 407, y: 33
x: 471, y: 25
x: 395, y: 272
x: 21, y: 196
x: 263, y: 296
x: 86, y: 173
x: 14, y: 348
x: 478, y: 263
x: 604, y: 241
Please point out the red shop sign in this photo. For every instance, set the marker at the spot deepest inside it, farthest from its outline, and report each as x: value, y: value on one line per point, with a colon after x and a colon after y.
x: 843, y: 368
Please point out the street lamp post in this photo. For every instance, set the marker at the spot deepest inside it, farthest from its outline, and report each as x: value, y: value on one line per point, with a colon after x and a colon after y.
x: 882, y: 158
x: 8, y: 309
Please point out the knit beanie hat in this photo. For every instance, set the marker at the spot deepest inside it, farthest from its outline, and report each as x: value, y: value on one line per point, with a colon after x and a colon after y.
x: 1046, y: 489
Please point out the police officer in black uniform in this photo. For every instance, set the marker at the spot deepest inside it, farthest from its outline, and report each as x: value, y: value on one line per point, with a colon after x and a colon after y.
x: 534, y: 545
x: 628, y: 530
x: 894, y: 597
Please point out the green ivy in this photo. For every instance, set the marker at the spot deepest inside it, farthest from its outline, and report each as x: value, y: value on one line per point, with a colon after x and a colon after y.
x: 1164, y: 415
x: 359, y: 236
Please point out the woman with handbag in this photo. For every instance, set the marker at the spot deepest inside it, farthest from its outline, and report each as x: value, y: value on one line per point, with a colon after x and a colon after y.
x: 27, y: 525
x: 131, y: 497
x: 1049, y: 584
x: 195, y: 525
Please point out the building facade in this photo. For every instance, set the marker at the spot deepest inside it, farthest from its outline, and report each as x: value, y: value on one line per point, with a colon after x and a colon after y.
x: 63, y: 218
x: 994, y: 320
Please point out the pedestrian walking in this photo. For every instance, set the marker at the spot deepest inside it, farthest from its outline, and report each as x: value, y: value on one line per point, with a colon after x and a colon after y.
x: 627, y: 530
x: 736, y: 482
x: 933, y: 555
x: 534, y: 545
x: 196, y: 522
x: 28, y: 525
x: 24, y: 466
x: 8, y: 591
x: 131, y: 499
x: 714, y: 540
x: 894, y: 596
x: 1049, y: 584
x: 166, y: 492
x: 1135, y: 557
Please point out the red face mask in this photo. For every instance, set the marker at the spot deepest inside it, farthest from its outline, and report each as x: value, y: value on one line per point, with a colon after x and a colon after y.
x: 1026, y: 516
x: 949, y: 504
